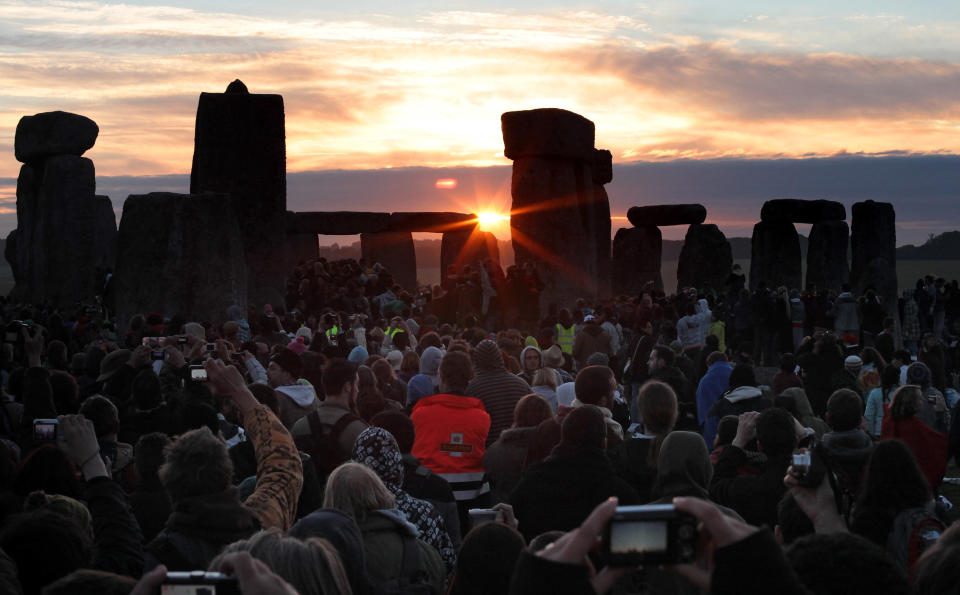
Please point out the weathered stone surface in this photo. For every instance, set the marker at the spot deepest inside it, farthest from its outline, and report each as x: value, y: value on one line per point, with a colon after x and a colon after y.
x: 794, y: 210
x: 393, y: 250
x: 602, y: 166
x: 237, y: 86
x: 53, y: 133
x: 553, y: 226
x: 240, y: 149
x: 601, y: 237
x: 338, y: 222
x: 10, y: 254
x: 660, y: 215
x: 636, y: 259
x: 458, y: 248
x: 179, y: 253
x: 775, y: 255
x: 302, y: 246
x: 436, y: 222
x: 873, y: 242
x: 706, y: 258
x: 105, y: 236
x: 827, y: 264
x: 547, y: 132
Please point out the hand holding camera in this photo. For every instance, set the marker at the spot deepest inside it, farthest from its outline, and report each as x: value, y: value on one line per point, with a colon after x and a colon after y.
x: 226, y: 381
x: 78, y: 440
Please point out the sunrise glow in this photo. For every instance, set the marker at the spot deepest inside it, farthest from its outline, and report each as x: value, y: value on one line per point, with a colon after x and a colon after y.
x: 493, y: 222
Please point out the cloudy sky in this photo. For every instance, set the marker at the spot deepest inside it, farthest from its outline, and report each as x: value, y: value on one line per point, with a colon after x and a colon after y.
x: 753, y: 88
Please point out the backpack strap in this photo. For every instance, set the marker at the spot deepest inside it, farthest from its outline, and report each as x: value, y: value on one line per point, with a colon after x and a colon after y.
x: 341, y: 424
x: 410, y: 566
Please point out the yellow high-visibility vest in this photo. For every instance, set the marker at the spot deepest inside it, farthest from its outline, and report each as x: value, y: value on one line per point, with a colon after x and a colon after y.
x: 565, y: 338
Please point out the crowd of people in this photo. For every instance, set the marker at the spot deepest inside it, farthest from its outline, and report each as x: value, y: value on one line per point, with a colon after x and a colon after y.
x: 361, y: 437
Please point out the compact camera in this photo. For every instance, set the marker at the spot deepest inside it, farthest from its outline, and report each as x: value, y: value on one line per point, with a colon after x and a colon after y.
x: 653, y: 534
x: 198, y: 373
x: 199, y: 582
x: 45, y: 430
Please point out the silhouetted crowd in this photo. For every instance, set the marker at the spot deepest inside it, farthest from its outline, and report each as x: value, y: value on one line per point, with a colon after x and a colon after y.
x: 362, y: 437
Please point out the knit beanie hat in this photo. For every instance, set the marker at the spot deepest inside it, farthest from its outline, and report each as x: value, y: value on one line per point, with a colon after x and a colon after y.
x: 430, y: 361
x: 487, y: 356
x: 62, y: 505
x: 598, y: 359
x: 289, y: 361
x: 918, y: 373
x: 358, y: 355
x: 395, y: 358
x: 297, y: 345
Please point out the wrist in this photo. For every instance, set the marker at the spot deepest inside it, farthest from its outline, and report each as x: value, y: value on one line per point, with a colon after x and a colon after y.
x: 93, y: 467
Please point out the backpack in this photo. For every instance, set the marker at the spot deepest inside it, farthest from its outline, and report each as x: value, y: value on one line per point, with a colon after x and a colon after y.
x: 914, y: 530
x: 412, y: 580
x: 322, y: 443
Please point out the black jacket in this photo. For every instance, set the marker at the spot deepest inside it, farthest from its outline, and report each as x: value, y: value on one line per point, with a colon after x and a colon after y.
x: 561, y: 491
x: 754, y: 497
x: 117, y: 545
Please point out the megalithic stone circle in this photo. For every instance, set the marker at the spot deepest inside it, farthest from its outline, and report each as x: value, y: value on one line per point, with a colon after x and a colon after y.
x: 827, y: 264
x: 636, y: 259
x: 602, y: 174
x: 802, y: 211
x: 394, y: 250
x: 53, y: 133
x: 706, y: 258
x: 775, y: 255
x: 873, y: 246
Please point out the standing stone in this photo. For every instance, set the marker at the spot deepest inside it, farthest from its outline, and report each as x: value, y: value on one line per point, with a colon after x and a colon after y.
x: 794, y: 210
x: 827, y: 265
x: 105, y: 236
x: 873, y: 245
x: 706, y: 258
x: 636, y: 259
x: 10, y: 254
x: 394, y: 250
x: 660, y: 215
x: 602, y: 174
x: 302, y: 246
x: 240, y: 149
x: 53, y: 133
x: 775, y: 255
x: 462, y: 247
x: 554, y: 200
x: 179, y: 254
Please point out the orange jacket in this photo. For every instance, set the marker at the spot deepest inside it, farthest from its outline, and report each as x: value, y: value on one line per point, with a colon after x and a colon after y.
x: 451, y: 435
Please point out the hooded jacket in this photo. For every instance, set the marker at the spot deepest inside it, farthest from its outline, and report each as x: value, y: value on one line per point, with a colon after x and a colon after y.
x: 296, y: 401
x: 496, y: 387
x: 740, y: 400
x: 712, y: 386
x: 384, y: 535
x: 451, y: 437
x: 344, y: 534
x: 589, y: 340
x: 805, y: 412
x: 377, y: 449
x: 430, y: 364
x: 503, y: 461
x: 524, y: 373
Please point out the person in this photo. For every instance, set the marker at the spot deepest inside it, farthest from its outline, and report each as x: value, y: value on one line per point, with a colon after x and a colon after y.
x: 342, y: 532
x: 590, y: 339
x: 785, y: 377
x: 565, y: 331
x: 846, y: 446
x: 329, y: 432
x: 207, y: 512
x: 743, y: 395
x: 873, y: 365
x: 755, y: 497
x: 377, y: 449
x: 905, y: 423
x: 312, y: 566
x: 531, y: 360
x: 934, y: 412
x: 878, y: 400
x: 486, y: 560
x: 692, y: 327
x: 560, y: 491
x: 803, y: 411
x: 886, y: 340
x: 545, y: 383
x: 148, y: 501
x: 106, y: 421
x: 388, y: 537
x: 596, y: 385
x: 498, y: 389
x: 451, y: 435
x: 295, y: 400
x: 711, y: 387
x: 503, y: 460
x: 820, y: 358
x: 661, y: 368
x: 635, y: 460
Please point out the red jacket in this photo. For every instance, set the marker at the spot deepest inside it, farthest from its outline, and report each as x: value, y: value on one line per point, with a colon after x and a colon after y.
x: 927, y: 445
x: 451, y: 434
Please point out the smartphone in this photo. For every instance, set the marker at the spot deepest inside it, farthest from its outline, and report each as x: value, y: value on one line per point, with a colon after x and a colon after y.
x: 653, y: 534
x: 45, y: 430
x: 198, y: 373
x: 199, y: 582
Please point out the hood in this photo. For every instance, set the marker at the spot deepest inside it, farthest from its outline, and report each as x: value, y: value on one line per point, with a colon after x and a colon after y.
x: 683, y: 468
x: 301, y: 394
x: 377, y: 449
x: 358, y: 355
x: 523, y: 356
x: 607, y: 414
x: 799, y: 396
x: 743, y: 393
x: 430, y: 360
x: 384, y: 519
x: 853, y: 446
x: 566, y: 394
x: 487, y: 357
x: 420, y: 386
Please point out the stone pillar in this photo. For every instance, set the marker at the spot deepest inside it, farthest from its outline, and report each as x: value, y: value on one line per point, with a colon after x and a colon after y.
x: 554, y: 200
x: 827, y: 264
x: 179, y: 253
x: 873, y: 242
x: 394, y: 250
x: 602, y: 174
x: 636, y: 259
x: 706, y: 258
x: 240, y: 149
x: 56, y: 252
x: 775, y: 255
x: 462, y: 247
x: 302, y: 246
x: 105, y: 246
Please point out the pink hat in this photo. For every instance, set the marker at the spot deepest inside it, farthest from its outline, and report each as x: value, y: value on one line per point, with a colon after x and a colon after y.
x: 297, y: 345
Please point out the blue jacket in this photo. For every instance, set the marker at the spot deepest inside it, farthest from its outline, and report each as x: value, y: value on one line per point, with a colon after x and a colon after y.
x: 712, y: 386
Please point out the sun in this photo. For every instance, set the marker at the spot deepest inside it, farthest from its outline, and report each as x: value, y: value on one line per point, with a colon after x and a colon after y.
x: 490, y: 220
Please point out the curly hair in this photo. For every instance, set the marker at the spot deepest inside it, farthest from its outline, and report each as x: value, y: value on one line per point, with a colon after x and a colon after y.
x: 197, y: 463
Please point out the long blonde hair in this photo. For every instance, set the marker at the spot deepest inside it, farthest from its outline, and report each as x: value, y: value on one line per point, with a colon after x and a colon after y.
x: 312, y: 566
x: 355, y: 490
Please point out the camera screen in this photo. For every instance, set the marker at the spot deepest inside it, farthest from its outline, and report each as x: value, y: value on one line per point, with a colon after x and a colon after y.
x: 632, y: 537
x: 46, y: 432
x: 198, y: 374
x: 189, y: 590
